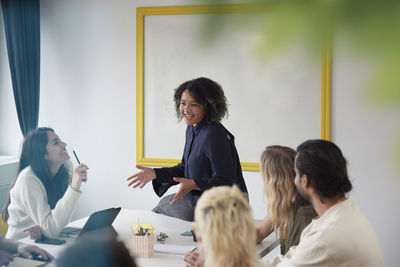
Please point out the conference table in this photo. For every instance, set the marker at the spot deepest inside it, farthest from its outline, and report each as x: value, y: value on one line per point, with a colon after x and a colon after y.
x: 170, y: 253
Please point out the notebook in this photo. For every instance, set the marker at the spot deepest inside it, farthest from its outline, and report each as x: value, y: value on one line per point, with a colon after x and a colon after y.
x: 98, y: 221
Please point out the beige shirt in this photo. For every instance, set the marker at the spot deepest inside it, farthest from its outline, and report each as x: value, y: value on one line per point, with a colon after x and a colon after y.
x: 29, y: 206
x: 342, y: 236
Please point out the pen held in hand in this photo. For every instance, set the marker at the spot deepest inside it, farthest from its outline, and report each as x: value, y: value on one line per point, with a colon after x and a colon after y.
x: 73, y: 151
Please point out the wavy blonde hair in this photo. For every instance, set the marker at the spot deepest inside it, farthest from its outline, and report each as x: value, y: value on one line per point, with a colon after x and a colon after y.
x: 224, y: 223
x: 277, y: 171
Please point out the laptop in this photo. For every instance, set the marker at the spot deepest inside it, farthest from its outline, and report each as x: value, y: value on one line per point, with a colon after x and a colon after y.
x: 99, y: 221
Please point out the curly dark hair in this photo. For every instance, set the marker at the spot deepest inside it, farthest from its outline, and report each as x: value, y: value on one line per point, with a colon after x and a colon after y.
x: 325, y: 168
x: 208, y: 94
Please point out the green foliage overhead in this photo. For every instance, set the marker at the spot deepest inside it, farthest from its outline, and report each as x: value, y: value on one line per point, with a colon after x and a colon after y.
x: 370, y: 28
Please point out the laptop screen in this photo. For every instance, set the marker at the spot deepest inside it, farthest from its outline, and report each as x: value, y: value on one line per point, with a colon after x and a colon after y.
x: 100, y: 219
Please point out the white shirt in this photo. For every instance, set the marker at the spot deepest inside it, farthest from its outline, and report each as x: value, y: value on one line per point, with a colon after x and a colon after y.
x: 29, y: 206
x: 342, y: 236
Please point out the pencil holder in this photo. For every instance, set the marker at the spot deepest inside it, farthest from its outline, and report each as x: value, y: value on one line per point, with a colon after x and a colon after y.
x: 143, y: 245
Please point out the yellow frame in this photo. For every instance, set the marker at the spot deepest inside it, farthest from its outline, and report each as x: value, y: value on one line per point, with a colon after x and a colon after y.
x: 141, y: 12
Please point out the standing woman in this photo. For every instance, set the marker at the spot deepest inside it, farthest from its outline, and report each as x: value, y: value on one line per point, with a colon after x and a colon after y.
x: 209, y: 157
x: 46, y: 189
x: 288, y: 212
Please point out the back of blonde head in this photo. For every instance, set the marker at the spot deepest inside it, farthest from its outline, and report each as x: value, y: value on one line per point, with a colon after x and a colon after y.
x: 277, y: 171
x: 224, y: 223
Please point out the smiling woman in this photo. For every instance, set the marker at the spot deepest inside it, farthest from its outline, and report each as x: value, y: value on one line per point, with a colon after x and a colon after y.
x: 209, y: 157
x: 191, y: 111
x: 43, y: 195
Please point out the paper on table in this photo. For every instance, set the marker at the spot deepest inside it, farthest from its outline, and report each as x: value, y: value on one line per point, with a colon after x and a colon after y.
x: 172, y: 249
x: 23, y: 262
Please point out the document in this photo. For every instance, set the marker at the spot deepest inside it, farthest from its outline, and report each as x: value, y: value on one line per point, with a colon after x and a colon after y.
x: 23, y: 262
x: 172, y: 249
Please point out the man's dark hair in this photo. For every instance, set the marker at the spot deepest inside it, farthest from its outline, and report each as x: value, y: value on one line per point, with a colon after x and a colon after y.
x: 94, y: 250
x: 325, y: 167
x: 208, y: 94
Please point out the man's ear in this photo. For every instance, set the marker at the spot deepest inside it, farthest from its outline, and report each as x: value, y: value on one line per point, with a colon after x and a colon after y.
x: 305, y: 181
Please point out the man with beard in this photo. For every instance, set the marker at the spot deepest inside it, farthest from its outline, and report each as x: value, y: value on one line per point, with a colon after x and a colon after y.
x: 341, y: 235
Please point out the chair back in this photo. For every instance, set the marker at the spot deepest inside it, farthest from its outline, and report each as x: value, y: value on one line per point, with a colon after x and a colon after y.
x: 3, y: 227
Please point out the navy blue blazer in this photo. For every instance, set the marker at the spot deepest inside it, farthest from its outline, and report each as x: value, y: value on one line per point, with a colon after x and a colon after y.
x: 210, y: 159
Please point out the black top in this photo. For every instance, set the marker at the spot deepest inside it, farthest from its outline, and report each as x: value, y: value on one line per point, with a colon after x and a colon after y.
x: 210, y: 159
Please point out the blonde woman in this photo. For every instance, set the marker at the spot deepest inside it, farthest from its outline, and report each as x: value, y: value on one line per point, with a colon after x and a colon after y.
x: 225, y: 229
x: 288, y: 212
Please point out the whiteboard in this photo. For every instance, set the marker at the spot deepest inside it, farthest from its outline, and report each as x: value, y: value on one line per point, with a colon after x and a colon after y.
x: 273, y: 100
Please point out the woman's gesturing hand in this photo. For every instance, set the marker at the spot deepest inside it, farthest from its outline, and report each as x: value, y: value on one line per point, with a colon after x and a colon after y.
x: 187, y: 185
x: 79, y: 176
x: 143, y: 177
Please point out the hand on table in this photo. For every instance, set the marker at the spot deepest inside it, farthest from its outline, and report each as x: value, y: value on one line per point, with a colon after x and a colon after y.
x: 143, y: 177
x: 187, y: 185
x: 264, y: 229
x: 27, y: 251
x: 34, y: 232
x: 193, y: 259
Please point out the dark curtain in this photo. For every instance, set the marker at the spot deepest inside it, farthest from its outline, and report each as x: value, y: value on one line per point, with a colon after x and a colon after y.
x: 22, y: 28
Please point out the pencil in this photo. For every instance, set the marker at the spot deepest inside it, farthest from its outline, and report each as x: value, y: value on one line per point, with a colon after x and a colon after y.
x: 76, y: 157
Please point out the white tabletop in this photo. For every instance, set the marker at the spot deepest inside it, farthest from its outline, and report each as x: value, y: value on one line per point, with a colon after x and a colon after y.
x: 173, y: 227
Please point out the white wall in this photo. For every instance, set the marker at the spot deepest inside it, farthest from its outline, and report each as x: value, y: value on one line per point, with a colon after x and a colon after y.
x: 263, y: 90
x: 368, y: 133
x: 88, y: 95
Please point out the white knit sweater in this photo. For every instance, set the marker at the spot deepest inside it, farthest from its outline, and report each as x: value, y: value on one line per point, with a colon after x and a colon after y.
x: 29, y: 206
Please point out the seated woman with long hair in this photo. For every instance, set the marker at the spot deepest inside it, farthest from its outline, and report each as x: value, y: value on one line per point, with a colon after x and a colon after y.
x: 43, y: 195
x: 224, y: 229
x: 288, y: 212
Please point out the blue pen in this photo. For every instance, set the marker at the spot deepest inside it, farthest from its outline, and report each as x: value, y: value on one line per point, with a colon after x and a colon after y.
x: 76, y: 157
